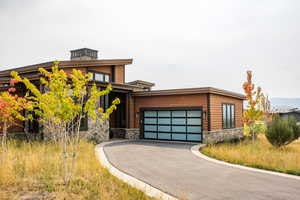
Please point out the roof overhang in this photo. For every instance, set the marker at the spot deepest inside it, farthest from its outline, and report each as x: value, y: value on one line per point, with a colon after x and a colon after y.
x: 68, y: 64
x: 188, y: 91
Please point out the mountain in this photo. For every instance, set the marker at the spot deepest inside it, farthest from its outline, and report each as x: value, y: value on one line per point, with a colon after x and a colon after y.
x: 285, y: 102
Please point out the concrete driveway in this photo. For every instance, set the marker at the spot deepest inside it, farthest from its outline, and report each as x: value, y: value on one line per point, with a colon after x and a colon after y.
x: 172, y: 168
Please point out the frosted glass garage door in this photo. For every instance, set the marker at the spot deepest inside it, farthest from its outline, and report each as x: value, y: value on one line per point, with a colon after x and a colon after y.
x: 173, y: 124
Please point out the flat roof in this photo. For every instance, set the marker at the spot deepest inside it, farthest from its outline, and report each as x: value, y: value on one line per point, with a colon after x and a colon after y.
x: 68, y: 64
x: 186, y: 91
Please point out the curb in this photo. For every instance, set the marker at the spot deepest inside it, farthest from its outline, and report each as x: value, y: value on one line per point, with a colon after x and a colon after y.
x: 195, y: 150
x: 146, y: 188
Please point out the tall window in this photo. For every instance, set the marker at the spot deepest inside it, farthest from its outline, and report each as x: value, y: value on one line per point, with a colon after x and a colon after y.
x: 228, y: 116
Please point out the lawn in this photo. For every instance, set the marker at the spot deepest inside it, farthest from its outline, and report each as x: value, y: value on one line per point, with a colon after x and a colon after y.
x: 33, y: 169
x: 260, y: 155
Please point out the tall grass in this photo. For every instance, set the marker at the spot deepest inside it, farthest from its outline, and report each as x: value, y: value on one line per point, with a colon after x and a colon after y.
x: 35, y: 166
x: 260, y: 155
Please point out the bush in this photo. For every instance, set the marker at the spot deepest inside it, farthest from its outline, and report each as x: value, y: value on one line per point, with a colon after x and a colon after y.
x: 282, y: 131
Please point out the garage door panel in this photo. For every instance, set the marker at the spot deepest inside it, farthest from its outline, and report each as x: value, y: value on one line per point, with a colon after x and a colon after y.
x: 193, y: 121
x: 178, y: 113
x: 164, y: 128
x: 179, y: 121
x: 150, y: 120
x: 164, y: 136
x: 179, y: 129
x: 164, y: 120
x: 181, y: 125
x: 164, y: 114
x: 150, y: 114
x: 150, y: 128
x: 150, y: 135
x: 179, y: 137
x: 194, y: 137
x: 194, y: 113
x: 194, y: 129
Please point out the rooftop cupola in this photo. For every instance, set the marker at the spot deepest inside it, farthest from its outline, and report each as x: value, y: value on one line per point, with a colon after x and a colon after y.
x: 84, y: 54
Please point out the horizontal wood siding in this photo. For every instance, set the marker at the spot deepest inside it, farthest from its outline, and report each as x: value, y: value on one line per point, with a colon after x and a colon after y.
x: 216, y: 102
x: 170, y: 101
x: 119, y: 74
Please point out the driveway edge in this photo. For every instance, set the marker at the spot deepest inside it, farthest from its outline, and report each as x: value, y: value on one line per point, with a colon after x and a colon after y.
x: 146, y: 188
x: 195, y: 150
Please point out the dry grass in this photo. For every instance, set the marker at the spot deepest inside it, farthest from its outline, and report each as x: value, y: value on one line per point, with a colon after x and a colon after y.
x: 260, y: 155
x: 35, y: 167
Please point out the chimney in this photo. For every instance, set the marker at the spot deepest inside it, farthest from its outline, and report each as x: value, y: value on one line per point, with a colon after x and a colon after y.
x: 84, y: 54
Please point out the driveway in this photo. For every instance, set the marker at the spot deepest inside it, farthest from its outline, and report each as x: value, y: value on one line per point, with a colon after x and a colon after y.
x: 172, y: 168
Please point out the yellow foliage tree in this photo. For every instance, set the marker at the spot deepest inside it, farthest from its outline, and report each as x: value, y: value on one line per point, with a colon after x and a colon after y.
x: 65, y: 101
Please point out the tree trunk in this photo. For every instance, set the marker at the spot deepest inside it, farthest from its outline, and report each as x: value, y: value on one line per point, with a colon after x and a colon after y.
x: 253, y: 137
x: 4, y: 136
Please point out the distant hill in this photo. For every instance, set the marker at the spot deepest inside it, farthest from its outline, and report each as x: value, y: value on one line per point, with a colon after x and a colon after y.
x: 285, y: 102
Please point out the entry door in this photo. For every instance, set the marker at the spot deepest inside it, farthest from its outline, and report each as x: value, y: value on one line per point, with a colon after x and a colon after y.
x: 180, y: 124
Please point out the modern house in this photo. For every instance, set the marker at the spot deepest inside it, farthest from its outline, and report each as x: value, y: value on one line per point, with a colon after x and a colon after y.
x: 196, y: 114
x: 289, y: 112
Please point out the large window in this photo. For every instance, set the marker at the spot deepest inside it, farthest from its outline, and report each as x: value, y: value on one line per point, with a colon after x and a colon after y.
x: 228, y: 115
x: 100, y: 77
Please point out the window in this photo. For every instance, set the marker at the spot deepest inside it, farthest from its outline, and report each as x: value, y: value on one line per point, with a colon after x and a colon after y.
x: 228, y: 116
x: 106, y: 78
x: 84, y: 123
x: 100, y: 77
x: 104, y: 101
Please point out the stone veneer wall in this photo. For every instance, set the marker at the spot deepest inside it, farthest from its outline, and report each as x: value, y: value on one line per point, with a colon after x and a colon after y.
x: 127, y: 133
x: 222, y: 135
x: 97, y: 131
x: 208, y: 136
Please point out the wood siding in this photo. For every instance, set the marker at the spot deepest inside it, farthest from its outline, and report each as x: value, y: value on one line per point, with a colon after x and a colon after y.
x: 194, y: 100
x: 119, y: 74
x: 216, y: 102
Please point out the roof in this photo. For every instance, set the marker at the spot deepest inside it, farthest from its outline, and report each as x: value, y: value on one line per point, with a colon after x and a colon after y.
x: 286, y: 111
x: 141, y: 82
x: 67, y: 64
x: 186, y: 91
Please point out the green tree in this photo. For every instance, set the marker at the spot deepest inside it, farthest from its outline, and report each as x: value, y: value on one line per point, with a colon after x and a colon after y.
x: 281, y: 131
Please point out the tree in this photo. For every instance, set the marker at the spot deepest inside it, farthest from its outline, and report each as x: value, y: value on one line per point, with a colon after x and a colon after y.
x: 281, y: 131
x: 65, y: 101
x: 11, y: 110
x: 254, y: 113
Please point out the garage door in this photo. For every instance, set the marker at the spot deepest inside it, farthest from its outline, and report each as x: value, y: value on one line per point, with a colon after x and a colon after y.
x: 180, y: 124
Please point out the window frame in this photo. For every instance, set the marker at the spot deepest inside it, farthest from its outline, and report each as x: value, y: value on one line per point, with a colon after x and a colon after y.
x: 232, y: 123
x: 101, y: 73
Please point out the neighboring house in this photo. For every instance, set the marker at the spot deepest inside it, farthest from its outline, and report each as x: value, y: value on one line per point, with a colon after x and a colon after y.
x: 195, y: 114
x: 292, y: 112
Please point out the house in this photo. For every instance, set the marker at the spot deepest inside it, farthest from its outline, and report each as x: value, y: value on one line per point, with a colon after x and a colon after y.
x: 289, y: 112
x: 195, y: 114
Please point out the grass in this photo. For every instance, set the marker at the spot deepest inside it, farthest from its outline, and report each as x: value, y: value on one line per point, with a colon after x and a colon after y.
x: 35, y: 167
x: 260, y: 155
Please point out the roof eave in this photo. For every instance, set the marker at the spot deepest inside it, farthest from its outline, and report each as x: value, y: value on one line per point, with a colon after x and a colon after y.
x: 188, y: 91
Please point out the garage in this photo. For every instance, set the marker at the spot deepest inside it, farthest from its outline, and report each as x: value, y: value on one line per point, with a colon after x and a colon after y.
x: 178, y: 124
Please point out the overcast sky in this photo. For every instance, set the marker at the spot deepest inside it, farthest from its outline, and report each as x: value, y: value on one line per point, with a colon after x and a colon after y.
x: 176, y: 44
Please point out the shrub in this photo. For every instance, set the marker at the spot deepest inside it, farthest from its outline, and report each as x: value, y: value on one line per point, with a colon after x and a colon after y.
x: 282, y: 131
